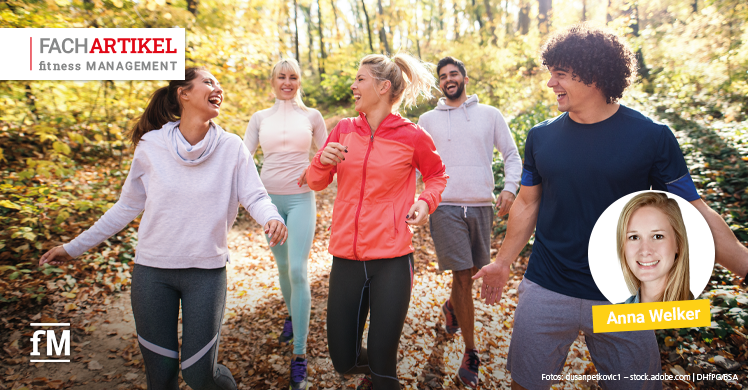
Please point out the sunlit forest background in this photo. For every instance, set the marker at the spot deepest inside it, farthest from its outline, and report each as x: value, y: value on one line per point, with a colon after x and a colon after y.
x: 64, y: 153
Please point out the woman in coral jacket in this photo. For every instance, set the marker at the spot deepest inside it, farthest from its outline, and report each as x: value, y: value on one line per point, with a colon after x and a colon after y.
x: 375, y: 156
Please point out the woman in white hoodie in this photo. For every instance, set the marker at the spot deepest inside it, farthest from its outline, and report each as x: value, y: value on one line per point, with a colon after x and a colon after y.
x: 188, y: 177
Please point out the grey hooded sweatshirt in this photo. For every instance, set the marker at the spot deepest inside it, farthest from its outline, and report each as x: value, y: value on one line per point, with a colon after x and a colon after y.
x: 189, y: 196
x: 465, y: 138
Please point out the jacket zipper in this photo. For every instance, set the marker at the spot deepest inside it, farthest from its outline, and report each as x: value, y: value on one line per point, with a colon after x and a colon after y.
x: 361, y: 196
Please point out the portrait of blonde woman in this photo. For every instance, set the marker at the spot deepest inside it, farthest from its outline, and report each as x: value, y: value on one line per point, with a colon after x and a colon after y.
x: 652, y: 248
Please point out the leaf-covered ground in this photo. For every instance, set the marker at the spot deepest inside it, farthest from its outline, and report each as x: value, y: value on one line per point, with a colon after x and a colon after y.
x: 106, y: 354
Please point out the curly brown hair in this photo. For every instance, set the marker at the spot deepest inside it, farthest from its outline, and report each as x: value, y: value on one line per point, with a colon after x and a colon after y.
x: 594, y: 56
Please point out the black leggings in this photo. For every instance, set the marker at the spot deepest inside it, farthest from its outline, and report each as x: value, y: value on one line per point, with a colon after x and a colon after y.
x: 156, y: 294
x: 382, y: 286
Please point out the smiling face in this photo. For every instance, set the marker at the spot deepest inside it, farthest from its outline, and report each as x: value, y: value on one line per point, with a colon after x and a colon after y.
x: 366, y: 90
x: 204, y: 98
x: 451, y: 82
x: 650, y: 247
x: 572, y: 95
x: 285, y: 84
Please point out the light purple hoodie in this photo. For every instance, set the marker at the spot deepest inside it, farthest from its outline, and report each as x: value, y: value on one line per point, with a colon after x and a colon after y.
x: 465, y: 138
x: 189, y: 195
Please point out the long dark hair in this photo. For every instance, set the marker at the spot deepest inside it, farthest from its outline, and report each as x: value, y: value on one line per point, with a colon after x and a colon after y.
x: 163, y: 107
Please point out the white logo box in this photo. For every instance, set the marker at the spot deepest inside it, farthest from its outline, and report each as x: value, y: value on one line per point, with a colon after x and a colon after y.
x: 93, y: 53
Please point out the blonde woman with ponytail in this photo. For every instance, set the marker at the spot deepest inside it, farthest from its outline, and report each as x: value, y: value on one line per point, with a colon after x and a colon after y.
x: 653, y: 249
x: 375, y: 156
x: 285, y: 132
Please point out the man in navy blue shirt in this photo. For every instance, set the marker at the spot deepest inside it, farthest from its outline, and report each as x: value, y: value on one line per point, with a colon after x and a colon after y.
x: 576, y: 165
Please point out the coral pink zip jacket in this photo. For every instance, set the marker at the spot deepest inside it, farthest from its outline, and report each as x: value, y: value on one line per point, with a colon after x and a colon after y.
x: 377, y: 185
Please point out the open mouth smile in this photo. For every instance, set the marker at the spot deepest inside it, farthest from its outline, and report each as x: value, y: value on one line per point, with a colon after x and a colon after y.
x: 215, y: 101
x: 649, y: 264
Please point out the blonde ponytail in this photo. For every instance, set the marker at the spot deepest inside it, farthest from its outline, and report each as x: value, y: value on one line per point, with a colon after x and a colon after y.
x: 408, y: 76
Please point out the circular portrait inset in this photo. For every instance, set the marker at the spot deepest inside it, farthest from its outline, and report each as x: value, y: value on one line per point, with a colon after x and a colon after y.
x: 651, y: 246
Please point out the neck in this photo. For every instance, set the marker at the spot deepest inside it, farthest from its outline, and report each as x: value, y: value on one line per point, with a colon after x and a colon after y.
x: 652, y: 291
x: 376, y: 116
x: 456, y: 102
x: 193, y: 128
x: 594, y: 113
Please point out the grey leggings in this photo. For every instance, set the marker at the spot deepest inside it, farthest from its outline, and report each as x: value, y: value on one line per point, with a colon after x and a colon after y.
x: 156, y: 294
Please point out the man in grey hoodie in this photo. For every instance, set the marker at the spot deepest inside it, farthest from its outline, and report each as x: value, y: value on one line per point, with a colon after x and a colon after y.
x: 465, y: 133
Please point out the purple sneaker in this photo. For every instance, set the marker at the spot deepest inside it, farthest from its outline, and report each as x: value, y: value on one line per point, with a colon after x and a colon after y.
x: 298, y: 374
x: 286, y: 336
x: 450, y: 319
x: 468, y: 372
x: 365, y: 384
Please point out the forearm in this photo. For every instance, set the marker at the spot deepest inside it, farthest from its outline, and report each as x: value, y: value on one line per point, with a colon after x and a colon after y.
x: 108, y: 225
x: 522, y: 219
x: 729, y: 252
x: 432, y: 194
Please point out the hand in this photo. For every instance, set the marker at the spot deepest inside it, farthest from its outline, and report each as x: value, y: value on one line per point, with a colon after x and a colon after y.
x: 504, y: 203
x: 55, y: 256
x: 277, y: 232
x: 418, y: 213
x: 302, y: 179
x: 495, y: 276
x: 333, y: 154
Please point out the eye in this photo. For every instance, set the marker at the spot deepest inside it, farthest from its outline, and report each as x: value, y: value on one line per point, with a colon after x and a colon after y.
x: 658, y: 237
x: 209, y: 82
x: 633, y: 237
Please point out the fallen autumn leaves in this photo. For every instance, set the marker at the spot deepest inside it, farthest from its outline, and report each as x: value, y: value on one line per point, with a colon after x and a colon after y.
x: 106, y: 353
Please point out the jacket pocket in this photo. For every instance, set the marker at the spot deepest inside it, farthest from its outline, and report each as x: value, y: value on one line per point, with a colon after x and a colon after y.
x: 342, y: 229
x: 376, y: 228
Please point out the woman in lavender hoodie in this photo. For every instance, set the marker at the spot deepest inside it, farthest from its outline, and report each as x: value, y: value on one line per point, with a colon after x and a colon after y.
x: 188, y: 177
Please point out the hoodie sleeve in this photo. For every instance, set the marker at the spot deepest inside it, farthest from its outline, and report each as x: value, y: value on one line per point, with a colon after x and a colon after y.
x: 252, y: 194
x: 319, y: 130
x: 429, y: 163
x: 252, y: 135
x: 504, y: 142
x: 319, y: 176
x: 130, y: 204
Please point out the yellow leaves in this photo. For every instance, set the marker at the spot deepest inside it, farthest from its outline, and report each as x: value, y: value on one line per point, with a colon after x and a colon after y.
x: 61, y: 147
x: 166, y: 16
x: 62, y: 3
x: 69, y: 295
x: 118, y: 3
x: 151, y: 5
x: 71, y: 306
x: 9, y: 205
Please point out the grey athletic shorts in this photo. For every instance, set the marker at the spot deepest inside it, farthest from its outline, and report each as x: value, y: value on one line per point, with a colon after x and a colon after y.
x: 546, y: 323
x: 462, y: 236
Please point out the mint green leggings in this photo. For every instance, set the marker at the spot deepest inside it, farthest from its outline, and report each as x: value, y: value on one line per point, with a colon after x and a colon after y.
x: 300, y: 213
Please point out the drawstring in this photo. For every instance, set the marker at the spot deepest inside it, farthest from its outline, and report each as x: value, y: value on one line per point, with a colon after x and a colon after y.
x: 465, y: 208
x: 464, y: 109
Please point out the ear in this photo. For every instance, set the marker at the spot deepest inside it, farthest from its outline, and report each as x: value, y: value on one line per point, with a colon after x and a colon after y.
x: 182, y: 94
x: 385, y: 87
x: 466, y: 80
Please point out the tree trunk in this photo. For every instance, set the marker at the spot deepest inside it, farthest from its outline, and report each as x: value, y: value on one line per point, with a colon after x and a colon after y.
x: 296, y: 30
x: 321, y: 40
x: 308, y: 15
x: 523, y: 19
x: 608, y: 15
x: 633, y: 13
x: 456, y: 21
x: 477, y: 16
x: 584, y: 10
x: 382, y: 31
x: 335, y: 22
x: 695, y: 6
x: 368, y: 25
x: 192, y: 6
x: 545, y: 11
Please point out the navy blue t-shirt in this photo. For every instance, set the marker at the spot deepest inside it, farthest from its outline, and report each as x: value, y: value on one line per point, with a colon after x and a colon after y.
x: 583, y: 169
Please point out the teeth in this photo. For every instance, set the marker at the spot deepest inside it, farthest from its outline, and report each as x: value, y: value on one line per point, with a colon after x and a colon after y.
x: 648, y: 264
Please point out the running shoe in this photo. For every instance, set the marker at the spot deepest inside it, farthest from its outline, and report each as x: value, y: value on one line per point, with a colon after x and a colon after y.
x: 468, y: 372
x: 365, y: 384
x: 298, y: 374
x: 450, y: 319
x: 286, y: 336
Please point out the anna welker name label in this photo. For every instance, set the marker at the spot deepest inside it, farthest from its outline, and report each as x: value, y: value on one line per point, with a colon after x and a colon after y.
x: 656, y: 315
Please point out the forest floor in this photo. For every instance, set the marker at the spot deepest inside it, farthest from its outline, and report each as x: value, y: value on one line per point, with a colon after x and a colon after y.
x: 105, y: 352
